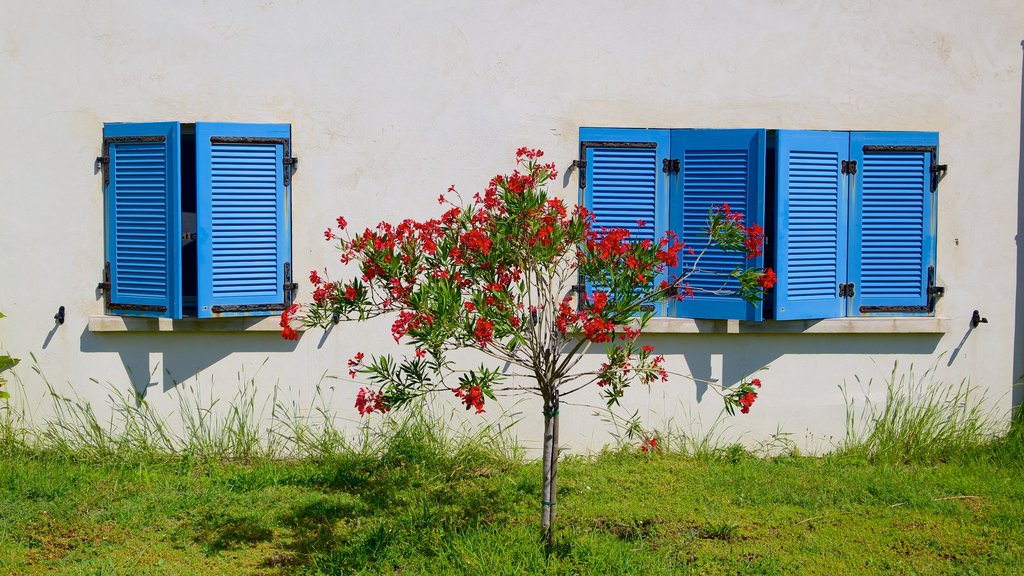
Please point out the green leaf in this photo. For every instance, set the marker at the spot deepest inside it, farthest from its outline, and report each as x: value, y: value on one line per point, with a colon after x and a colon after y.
x: 6, y: 363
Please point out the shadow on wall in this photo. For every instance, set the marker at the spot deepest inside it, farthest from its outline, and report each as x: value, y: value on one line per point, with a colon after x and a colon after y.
x: 184, y: 355
x: 729, y: 358
x: 1018, y: 333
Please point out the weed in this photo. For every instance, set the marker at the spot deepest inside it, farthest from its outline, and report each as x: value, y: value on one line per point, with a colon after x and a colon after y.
x: 921, y: 420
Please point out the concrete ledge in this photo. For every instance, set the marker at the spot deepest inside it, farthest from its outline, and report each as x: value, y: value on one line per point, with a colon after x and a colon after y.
x: 876, y: 325
x: 232, y: 324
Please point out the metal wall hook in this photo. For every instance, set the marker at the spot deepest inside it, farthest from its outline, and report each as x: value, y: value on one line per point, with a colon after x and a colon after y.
x: 977, y: 319
x: 59, y: 316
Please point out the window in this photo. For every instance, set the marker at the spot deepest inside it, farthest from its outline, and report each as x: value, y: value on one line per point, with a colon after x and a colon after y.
x: 849, y: 216
x: 197, y: 219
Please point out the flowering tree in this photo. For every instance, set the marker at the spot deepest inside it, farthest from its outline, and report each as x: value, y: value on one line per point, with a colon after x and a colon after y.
x: 499, y: 275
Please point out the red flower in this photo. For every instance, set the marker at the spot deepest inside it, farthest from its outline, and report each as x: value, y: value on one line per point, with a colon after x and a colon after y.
x: 647, y: 348
x: 342, y: 223
x: 756, y: 382
x: 350, y: 293
x: 469, y: 306
x: 746, y: 401
x: 368, y: 401
x: 649, y: 445
x: 329, y: 234
x: 640, y: 223
x: 287, y: 332
x: 473, y: 397
x: 484, y: 331
x: 440, y: 199
x: 767, y: 279
x: 754, y: 240
x: 420, y: 353
x: 314, y: 277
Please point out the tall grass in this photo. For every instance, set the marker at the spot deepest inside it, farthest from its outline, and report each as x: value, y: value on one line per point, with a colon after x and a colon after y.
x: 921, y: 420
x: 247, y: 427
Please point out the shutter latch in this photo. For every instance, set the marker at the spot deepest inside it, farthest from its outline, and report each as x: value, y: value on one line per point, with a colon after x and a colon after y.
x: 846, y: 290
x: 849, y: 167
x: 670, y: 165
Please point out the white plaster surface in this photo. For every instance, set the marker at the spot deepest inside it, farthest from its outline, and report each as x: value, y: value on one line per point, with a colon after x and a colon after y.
x: 390, y: 103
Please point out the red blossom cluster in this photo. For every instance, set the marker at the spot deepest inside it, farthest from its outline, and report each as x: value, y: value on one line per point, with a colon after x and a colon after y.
x: 354, y: 364
x: 472, y: 397
x: 649, y: 444
x: 368, y: 402
x: 744, y: 396
x: 287, y: 332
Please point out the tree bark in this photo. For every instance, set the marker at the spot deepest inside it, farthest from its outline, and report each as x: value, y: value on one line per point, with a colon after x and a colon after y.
x: 549, y: 487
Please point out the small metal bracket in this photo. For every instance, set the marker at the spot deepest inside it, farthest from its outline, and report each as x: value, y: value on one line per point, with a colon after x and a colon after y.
x: 670, y: 165
x: 849, y: 167
x: 977, y: 319
x: 290, y: 288
x: 846, y: 290
x: 59, y: 316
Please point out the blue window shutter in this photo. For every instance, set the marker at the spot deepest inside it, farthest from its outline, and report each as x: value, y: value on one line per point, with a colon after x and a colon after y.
x: 810, y: 223
x: 243, y: 218
x: 624, y: 182
x: 892, y: 224
x: 143, y: 218
x: 716, y: 167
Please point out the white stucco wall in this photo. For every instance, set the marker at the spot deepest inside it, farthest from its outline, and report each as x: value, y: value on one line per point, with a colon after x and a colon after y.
x: 390, y: 103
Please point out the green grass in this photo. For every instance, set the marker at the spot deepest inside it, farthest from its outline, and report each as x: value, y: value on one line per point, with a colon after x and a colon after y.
x: 423, y: 502
x: 922, y: 485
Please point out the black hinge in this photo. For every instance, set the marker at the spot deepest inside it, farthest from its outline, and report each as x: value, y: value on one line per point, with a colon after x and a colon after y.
x: 290, y: 288
x: 849, y: 167
x: 670, y: 166
x: 581, y: 166
x: 934, y: 292
x: 104, y: 286
x: 291, y: 163
x: 846, y: 290
x: 938, y: 171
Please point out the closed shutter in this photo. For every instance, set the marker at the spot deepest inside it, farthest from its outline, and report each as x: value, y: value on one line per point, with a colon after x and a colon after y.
x: 243, y: 218
x: 810, y: 224
x: 142, y: 221
x: 624, y: 183
x: 892, y: 225
x: 716, y: 167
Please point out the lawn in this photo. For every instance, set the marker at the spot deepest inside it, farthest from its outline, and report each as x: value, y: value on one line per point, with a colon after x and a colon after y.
x: 420, y: 507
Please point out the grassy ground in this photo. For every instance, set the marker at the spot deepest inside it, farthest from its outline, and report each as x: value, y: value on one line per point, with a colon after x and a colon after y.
x: 422, y: 506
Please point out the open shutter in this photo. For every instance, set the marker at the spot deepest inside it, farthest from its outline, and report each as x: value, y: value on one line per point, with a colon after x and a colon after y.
x: 243, y: 219
x: 143, y: 227
x: 623, y: 181
x: 892, y: 224
x: 810, y: 223
x: 716, y: 167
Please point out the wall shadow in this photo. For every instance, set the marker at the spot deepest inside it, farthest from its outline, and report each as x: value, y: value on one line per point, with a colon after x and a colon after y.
x: 742, y: 355
x: 184, y: 354
x: 1018, y: 332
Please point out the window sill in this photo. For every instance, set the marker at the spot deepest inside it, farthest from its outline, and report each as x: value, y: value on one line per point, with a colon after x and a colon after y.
x: 877, y: 325
x: 234, y: 324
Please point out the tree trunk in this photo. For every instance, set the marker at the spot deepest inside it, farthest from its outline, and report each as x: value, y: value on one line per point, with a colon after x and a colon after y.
x: 549, y: 487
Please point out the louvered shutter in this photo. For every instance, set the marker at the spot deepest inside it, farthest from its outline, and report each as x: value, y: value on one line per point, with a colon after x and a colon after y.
x: 143, y: 225
x: 810, y: 224
x: 716, y: 167
x: 892, y: 224
x: 243, y: 218
x: 623, y: 182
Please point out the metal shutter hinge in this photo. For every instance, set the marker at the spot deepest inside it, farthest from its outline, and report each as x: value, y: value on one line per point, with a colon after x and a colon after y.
x: 938, y: 172
x: 670, y: 166
x: 846, y: 290
x: 849, y: 167
x: 581, y: 165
